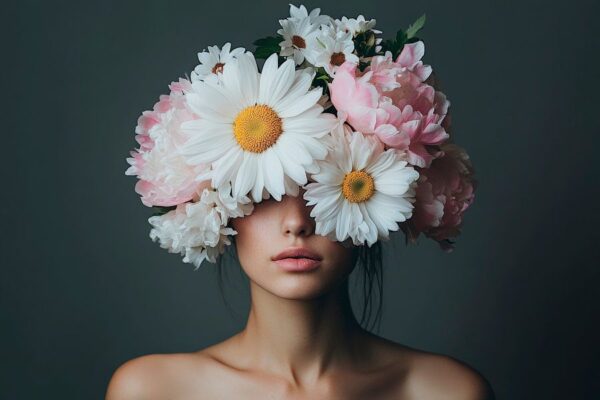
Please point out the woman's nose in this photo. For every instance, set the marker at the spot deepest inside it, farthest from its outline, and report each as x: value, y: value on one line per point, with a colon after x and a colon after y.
x: 296, y: 217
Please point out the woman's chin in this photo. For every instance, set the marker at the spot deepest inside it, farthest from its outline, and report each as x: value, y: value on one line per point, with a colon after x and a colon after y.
x: 300, y: 286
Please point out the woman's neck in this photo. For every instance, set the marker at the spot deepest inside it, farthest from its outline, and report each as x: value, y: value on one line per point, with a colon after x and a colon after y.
x: 300, y: 338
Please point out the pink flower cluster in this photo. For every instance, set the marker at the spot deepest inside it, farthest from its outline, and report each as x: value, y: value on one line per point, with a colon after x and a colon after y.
x: 396, y: 101
x: 165, y: 179
x: 445, y: 190
x: 392, y: 100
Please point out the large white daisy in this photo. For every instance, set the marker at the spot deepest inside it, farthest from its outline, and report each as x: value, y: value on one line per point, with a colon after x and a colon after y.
x: 212, y: 62
x: 361, y: 191
x: 260, y: 131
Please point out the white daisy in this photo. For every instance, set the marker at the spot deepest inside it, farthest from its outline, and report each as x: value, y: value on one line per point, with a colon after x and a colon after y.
x: 299, y: 39
x: 314, y: 17
x: 261, y: 132
x: 212, y: 62
x: 361, y: 191
x: 333, y: 49
x: 355, y: 25
x: 359, y: 25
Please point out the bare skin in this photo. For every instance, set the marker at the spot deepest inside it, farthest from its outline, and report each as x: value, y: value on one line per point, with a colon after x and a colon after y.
x: 301, y: 339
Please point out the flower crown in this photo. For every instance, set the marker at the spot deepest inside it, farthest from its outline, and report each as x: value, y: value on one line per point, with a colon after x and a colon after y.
x: 354, y: 120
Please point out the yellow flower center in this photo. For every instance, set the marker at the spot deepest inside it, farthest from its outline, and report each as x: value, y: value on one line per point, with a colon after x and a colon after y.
x: 358, y: 186
x: 257, y: 127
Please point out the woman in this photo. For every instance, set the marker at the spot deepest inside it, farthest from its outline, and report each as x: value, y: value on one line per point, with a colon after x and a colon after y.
x: 361, y: 120
x: 301, y: 339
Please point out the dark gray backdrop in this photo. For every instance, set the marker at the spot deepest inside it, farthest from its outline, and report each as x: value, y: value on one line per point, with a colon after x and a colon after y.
x: 84, y: 289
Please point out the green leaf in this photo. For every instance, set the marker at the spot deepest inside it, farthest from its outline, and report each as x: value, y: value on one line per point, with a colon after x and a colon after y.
x: 401, y: 37
x: 415, y: 27
x: 267, y: 46
x: 394, y: 46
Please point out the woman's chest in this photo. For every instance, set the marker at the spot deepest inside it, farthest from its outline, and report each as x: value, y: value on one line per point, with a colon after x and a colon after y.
x: 384, y: 386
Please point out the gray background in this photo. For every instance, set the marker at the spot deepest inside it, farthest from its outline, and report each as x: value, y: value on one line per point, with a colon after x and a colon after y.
x: 83, y: 288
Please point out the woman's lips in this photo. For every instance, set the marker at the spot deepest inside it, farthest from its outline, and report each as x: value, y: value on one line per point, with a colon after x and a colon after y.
x: 298, y: 264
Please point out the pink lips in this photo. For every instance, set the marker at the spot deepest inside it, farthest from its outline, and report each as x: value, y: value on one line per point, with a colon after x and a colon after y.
x: 298, y: 259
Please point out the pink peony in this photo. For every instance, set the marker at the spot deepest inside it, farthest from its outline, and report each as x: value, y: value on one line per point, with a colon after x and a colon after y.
x: 391, y: 100
x: 444, y: 192
x: 359, y: 102
x: 164, y: 177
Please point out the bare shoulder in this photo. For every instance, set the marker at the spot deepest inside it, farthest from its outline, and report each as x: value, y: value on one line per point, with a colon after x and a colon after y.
x: 424, y: 375
x: 435, y: 376
x: 157, y: 376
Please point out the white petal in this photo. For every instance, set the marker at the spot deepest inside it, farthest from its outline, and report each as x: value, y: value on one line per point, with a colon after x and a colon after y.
x: 371, y: 234
x: 243, y: 80
x: 301, y: 104
x: 317, y: 127
x: 282, y: 83
x: 360, y: 150
x: 291, y: 187
x: 205, y: 146
x: 315, y: 147
x: 327, y: 205
x: 210, y: 103
x: 343, y: 222
x: 273, y: 173
x: 300, y: 87
x: 226, y: 166
x: 355, y: 222
x: 267, y: 79
x: 246, y: 175
x: 382, y: 163
x: 291, y: 168
x: 259, y: 184
x: 375, y: 214
x: 294, y: 150
x: 329, y: 174
x: 396, y: 180
x: 325, y: 227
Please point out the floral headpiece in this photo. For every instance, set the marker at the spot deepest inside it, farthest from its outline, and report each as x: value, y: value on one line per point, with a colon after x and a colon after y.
x: 354, y: 120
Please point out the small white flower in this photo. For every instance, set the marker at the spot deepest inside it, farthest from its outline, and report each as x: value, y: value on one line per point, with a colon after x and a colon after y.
x: 212, y: 62
x: 333, y: 49
x: 359, y: 25
x: 299, y: 39
x: 355, y: 25
x: 314, y: 17
x: 361, y: 191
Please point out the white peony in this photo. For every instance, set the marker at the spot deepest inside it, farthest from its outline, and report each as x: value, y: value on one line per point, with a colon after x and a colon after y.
x: 198, y: 230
